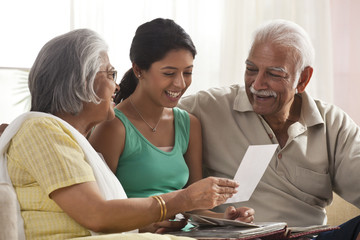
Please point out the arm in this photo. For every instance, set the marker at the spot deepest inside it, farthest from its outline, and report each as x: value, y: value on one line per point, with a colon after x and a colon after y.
x: 108, y: 138
x: 193, y: 158
x: 193, y: 155
x: 84, y: 203
x: 343, y: 140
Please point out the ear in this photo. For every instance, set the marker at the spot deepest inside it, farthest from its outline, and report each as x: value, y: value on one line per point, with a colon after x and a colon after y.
x: 136, y: 70
x: 304, y: 79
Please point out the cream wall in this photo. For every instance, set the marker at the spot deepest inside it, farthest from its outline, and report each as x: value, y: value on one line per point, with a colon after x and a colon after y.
x: 346, y: 55
x: 222, y: 48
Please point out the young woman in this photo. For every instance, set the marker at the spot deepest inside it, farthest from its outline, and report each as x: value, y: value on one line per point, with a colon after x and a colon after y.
x: 152, y: 146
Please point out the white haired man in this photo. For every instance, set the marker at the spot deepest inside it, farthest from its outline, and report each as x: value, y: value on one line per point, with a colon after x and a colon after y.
x: 318, y: 149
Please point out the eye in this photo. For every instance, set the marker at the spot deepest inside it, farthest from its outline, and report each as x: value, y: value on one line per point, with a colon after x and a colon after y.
x: 275, y: 75
x: 251, y: 69
x: 187, y: 73
x: 112, y: 74
x: 168, y: 73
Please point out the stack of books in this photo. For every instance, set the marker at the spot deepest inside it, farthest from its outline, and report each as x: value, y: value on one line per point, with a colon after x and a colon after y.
x: 218, y: 228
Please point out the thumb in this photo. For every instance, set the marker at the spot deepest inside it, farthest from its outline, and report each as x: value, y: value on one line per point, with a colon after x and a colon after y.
x: 230, y: 211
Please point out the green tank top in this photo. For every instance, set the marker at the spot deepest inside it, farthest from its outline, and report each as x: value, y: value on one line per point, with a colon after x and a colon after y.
x: 145, y: 170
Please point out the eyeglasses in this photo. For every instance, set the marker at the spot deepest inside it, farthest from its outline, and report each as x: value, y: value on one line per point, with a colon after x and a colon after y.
x: 112, y: 74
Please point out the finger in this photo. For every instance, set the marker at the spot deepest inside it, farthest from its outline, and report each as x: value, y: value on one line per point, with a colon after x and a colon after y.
x: 225, y: 182
x: 171, y: 226
x: 231, y: 210
x: 245, y: 212
x: 160, y: 230
x: 226, y: 190
x: 221, y: 198
x: 246, y: 219
x: 250, y: 211
x: 230, y: 213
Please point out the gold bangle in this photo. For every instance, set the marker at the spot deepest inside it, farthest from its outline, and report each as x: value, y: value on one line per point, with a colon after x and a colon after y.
x: 161, y: 207
x: 164, y: 208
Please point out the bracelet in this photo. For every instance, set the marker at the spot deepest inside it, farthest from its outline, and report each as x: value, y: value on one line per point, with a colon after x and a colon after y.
x: 163, y: 209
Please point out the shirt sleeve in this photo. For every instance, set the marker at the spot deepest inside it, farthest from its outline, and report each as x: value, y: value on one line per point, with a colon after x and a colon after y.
x: 344, y: 140
x: 50, y: 154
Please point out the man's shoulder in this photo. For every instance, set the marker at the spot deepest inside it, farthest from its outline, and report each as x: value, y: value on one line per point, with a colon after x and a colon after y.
x: 331, y: 114
x: 326, y: 108
x: 215, y: 93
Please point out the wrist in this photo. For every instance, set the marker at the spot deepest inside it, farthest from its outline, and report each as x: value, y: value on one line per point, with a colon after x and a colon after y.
x: 178, y: 202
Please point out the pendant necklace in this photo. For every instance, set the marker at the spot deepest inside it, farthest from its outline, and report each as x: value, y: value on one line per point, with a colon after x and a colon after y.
x: 138, y: 112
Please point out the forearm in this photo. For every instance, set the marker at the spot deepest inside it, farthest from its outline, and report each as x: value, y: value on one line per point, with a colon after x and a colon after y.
x: 84, y: 203
x: 128, y: 214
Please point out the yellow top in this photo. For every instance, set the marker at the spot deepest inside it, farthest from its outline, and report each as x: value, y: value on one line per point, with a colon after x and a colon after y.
x: 42, y: 157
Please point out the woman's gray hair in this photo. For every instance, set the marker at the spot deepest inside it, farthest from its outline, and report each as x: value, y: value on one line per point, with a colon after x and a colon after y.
x: 288, y: 34
x: 63, y: 74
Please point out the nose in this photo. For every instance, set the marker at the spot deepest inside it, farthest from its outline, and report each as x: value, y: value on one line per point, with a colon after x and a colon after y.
x: 117, y: 87
x: 260, y: 81
x: 179, y: 81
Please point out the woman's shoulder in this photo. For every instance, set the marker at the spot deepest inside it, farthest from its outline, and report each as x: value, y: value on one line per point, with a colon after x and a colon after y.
x: 179, y: 111
x: 41, y: 124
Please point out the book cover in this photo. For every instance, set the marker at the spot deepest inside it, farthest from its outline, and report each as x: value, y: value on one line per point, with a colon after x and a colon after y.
x: 218, y: 228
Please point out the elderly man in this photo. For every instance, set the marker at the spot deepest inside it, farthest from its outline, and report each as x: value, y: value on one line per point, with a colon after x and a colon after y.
x: 318, y: 149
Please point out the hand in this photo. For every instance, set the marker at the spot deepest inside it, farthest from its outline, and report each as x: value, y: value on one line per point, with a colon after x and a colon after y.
x: 210, y: 192
x: 164, y: 226
x: 243, y: 214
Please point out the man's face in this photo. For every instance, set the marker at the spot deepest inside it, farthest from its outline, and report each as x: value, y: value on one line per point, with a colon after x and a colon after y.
x: 269, y: 79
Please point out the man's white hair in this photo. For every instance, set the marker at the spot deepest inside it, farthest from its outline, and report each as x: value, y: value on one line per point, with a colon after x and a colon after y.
x: 288, y: 34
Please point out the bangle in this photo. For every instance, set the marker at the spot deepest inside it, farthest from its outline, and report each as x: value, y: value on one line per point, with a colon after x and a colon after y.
x: 163, y: 209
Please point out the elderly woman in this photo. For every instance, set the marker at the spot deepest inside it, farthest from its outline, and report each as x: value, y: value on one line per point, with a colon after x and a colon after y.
x: 63, y: 187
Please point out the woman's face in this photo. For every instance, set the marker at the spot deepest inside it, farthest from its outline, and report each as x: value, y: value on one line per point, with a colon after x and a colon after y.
x: 105, y: 86
x: 167, y: 80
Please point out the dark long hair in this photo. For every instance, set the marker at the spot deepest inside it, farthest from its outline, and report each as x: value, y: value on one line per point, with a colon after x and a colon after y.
x: 152, y: 41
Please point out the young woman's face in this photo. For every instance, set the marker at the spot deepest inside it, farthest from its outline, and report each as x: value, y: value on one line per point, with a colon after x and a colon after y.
x: 167, y: 80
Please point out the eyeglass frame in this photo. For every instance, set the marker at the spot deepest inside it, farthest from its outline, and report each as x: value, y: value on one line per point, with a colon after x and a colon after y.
x: 113, y: 73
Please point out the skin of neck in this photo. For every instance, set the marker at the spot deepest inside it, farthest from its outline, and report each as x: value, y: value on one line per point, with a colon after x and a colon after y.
x: 289, y: 115
x: 81, y: 122
x: 146, y: 106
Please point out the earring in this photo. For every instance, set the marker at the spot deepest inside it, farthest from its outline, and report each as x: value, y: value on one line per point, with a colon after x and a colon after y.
x: 296, y: 91
x: 139, y: 76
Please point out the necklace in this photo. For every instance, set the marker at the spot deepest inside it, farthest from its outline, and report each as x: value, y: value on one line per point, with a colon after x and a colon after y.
x: 138, y: 112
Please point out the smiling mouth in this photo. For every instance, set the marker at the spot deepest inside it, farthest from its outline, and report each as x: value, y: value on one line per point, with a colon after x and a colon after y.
x: 262, y: 93
x: 173, y: 94
x: 263, y: 96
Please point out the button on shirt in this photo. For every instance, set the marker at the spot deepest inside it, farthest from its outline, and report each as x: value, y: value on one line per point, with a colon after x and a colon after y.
x: 321, y: 155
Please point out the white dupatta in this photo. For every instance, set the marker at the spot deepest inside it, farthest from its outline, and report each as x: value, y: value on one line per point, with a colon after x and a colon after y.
x: 109, y: 185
